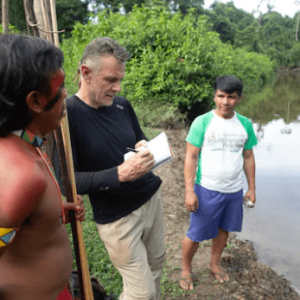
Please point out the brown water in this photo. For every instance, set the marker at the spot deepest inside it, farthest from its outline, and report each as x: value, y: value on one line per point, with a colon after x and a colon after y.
x: 273, y: 225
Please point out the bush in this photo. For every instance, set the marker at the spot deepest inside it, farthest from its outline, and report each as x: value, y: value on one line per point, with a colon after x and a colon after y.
x: 154, y: 115
x: 174, y: 58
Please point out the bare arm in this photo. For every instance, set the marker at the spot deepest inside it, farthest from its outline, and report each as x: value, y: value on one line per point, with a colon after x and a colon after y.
x: 249, y: 169
x: 21, y: 188
x: 190, y: 165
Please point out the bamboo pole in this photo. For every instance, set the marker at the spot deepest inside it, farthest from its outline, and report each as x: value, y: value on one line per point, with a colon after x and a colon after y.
x: 62, y: 137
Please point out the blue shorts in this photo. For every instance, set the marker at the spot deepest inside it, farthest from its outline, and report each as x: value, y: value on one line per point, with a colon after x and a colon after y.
x: 216, y: 210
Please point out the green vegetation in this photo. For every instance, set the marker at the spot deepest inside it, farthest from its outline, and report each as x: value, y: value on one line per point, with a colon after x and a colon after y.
x: 12, y: 29
x: 271, y: 33
x: 161, y: 116
x: 128, y: 5
x: 178, y: 48
x: 72, y: 11
x: 174, y: 58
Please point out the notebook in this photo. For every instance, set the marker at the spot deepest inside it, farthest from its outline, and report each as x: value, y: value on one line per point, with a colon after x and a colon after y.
x: 160, y: 149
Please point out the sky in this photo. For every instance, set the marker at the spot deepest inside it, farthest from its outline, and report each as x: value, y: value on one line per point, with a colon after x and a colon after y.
x: 284, y: 7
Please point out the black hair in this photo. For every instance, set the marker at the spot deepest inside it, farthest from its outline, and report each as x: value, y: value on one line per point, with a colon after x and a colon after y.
x: 26, y: 65
x: 228, y: 84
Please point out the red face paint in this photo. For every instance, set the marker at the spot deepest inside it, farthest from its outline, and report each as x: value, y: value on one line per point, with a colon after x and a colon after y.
x: 55, y: 108
x: 57, y: 82
x: 57, y: 88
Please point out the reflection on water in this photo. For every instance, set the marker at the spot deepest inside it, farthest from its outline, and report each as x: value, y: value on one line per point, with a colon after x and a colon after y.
x: 273, y: 225
x: 278, y: 100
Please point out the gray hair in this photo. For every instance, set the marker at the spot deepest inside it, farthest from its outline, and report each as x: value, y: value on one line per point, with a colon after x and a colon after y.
x: 101, y: 47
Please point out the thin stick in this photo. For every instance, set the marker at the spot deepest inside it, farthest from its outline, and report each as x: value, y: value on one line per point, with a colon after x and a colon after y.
x: 69, y: 195
x: 62, y: 136
x: 82, y: 265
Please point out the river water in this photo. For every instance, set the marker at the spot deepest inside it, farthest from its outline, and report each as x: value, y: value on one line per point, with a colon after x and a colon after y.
x: 273, y: 225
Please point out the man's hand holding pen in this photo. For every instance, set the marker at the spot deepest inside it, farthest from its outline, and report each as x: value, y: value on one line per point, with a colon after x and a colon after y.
x: 132, y: 150
x: 141, y: 143
x: 137, y: 165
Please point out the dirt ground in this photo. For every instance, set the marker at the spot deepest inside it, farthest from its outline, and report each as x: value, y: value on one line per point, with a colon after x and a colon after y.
x: 249, y: 279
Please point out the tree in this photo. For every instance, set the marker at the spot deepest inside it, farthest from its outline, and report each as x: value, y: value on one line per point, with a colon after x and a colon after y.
x: 174, y: 5
x: 68, y: 13
x: 270, y: 33
x: 174, y: 58
x: 227, y: 20
x: 5, y: 16
x: 276, y: 36
x: 116, y: 5
x: 298, y: 17
x: 184, y: 5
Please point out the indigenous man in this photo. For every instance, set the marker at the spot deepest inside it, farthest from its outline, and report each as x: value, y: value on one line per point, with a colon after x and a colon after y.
x: 220, y: 143
x: 35, y: 252
x: 125, y: 196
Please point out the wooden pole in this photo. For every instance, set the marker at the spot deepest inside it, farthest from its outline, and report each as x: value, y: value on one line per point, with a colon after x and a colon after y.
x: 5, y: 16
x: 46, y: 22
x: 54, y: 22
x: 26, y: 17
x: 297, y: 27
x: 30, y: 18
x: 63, y: 142
x: 79, y: 250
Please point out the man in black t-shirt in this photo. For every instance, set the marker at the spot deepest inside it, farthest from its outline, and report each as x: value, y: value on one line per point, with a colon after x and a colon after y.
x: 125, y: 195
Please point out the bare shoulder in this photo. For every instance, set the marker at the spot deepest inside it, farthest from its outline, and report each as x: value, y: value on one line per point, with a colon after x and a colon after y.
x: 22, y: 183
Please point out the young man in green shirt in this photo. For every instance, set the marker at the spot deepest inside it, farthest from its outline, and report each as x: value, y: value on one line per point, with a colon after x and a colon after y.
x: 219, y: 147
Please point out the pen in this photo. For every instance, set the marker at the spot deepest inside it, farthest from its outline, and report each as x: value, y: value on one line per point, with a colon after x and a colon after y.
x: 131, y: 149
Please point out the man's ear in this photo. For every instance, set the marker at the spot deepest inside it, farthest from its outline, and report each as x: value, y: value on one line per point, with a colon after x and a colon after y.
x: 85, y: 72
x: 35, y: 102
x: 240, y: 99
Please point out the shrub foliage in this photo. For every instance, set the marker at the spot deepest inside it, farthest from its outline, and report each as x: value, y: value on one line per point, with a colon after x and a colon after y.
x: 174, y: 58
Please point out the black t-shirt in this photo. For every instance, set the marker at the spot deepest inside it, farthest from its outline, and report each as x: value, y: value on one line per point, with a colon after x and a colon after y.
x: 99, y: 139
